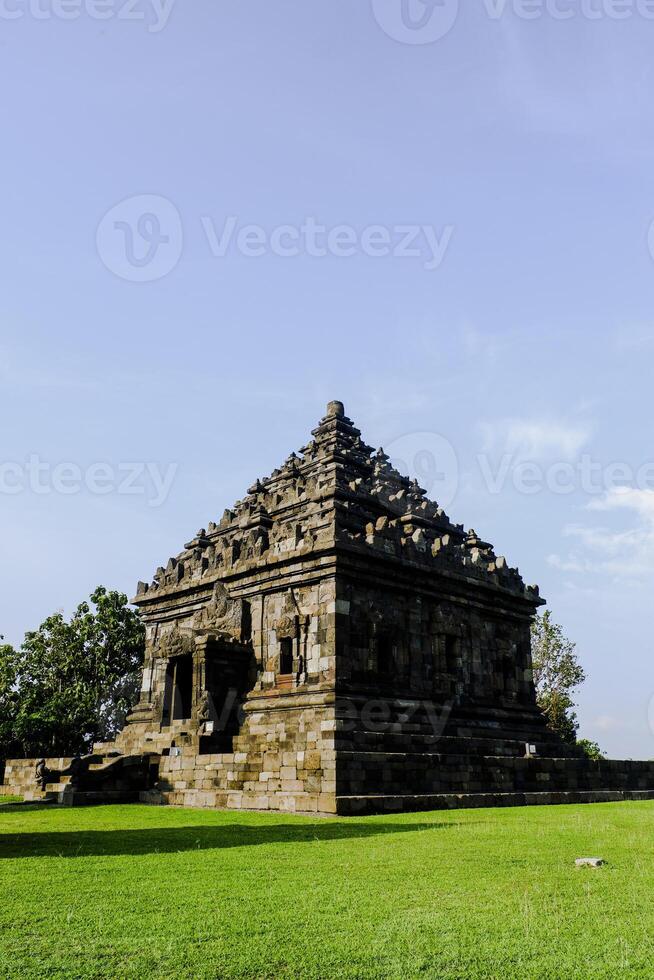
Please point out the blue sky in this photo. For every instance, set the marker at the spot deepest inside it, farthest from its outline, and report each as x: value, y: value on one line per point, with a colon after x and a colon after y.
x: 169, y: 329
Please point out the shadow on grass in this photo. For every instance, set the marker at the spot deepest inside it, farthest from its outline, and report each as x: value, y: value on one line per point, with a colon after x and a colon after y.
x: 167, y: 840
x: 23, y: 805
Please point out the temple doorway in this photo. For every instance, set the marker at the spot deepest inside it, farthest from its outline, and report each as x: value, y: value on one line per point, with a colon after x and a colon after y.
x: 178, y: 699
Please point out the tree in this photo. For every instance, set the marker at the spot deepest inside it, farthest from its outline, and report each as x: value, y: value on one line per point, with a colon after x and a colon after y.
x: 75, y: 680
x: 590, y: 749
x: 557, y: 672
x: 8, y: 702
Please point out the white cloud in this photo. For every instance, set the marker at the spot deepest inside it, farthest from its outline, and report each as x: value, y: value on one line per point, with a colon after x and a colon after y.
x: 483, y: 344
x: 535, y: 439
x: 630, y: 498
x: 607, y: 723
x: 621, y: 554
x: 636, y: 337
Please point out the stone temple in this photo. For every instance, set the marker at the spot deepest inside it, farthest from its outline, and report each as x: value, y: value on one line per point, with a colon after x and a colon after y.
x: 336, y: 644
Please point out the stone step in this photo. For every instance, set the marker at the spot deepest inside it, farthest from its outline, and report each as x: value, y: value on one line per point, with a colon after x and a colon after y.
x: 102, y: 748
x: 357, y: 805
x: 452, y: 744
x: 503, y: 734
x: 29, y: 801
x: 96, y: 797
x: 106, y: 763
x: 362, y: 773
x: 528, y: 714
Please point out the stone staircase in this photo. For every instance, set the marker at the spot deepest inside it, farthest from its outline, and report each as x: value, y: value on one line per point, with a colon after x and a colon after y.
x: 20, y: 780
x: 101, y: 779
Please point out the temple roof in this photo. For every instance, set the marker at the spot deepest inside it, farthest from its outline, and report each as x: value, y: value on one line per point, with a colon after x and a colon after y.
x: 335, y: 492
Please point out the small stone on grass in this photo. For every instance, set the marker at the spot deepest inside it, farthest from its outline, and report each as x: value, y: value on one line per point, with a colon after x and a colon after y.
x: 589, y: 862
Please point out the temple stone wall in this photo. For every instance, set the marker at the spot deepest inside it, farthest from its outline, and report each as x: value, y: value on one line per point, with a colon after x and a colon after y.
x: 361, y: 774
x: 422, y: 781
x: 284, y: 760
x: 433, y: 647
x: 306, y: 617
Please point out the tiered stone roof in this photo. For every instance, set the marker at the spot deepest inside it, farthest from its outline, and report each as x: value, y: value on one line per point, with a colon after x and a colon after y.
x: 335, y: 492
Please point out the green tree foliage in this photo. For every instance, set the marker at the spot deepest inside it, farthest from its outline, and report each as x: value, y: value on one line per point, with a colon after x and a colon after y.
x: 590, y: 749
x: 72, y: 682
x: 557, y: 672
x: 8, y: 701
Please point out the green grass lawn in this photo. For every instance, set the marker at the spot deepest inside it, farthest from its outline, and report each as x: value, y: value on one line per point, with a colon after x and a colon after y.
x: 10, y: 799
x: 159, y: 892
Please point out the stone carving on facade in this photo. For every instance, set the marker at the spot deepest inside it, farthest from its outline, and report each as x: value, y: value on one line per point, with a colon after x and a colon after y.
x: 292, y: 622
x: 42, y: 774
x: 174, y: 643
x: 202, y: 710
x: 385, y: 511
x: 286, y: 627
x: 156, y: 706
x: 223, y: 616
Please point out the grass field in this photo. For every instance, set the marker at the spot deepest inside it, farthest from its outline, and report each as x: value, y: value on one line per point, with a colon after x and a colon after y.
x: 9, y: 799
x: 160, y: 892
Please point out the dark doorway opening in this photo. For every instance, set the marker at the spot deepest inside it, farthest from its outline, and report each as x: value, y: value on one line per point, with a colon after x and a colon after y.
x: 178, y: 701
x: 452, y: 655
x: 385, y: 656
x: 230, y: 673
x: 286, y: 656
